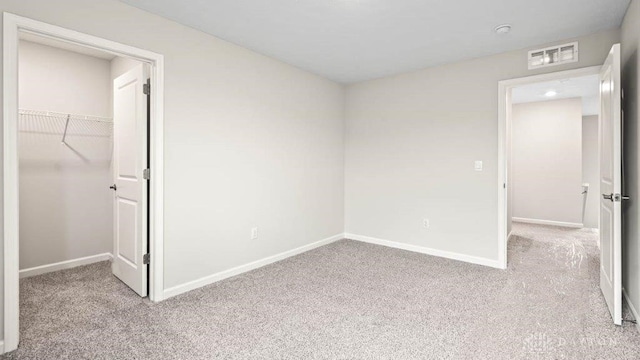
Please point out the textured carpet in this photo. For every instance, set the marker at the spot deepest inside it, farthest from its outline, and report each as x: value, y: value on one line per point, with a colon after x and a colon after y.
x: 347, y: 300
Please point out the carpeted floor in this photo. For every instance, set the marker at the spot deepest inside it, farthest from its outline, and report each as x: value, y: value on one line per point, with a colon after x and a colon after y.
x: 347, y: 300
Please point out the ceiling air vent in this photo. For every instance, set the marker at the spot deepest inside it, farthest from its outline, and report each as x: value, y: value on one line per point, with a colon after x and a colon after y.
x: 551, y: 56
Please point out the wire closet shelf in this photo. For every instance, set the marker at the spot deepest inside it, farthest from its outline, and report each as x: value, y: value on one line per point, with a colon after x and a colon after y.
x: 64, y: 125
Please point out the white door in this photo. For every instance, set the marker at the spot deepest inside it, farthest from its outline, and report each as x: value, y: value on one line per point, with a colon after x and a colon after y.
x: 611, y: 184
x: 130, y: 187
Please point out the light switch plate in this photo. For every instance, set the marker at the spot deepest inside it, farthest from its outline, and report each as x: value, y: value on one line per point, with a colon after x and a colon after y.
x: 478, y: 165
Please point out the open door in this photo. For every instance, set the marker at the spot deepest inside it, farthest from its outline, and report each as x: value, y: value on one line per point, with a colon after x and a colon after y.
x: 130, y: 185
x: 611, y: 184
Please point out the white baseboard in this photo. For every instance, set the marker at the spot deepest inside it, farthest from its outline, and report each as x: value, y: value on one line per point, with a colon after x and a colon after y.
x: 632, y: 308
x: 548, y: 222
x: 39, y: 270
x: 1, y: 346
x: 207, y: 280
x: 428, y: 251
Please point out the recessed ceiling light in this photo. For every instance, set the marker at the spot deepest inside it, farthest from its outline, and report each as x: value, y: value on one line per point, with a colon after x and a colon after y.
x: 503, y: 29
x: 551, y: 93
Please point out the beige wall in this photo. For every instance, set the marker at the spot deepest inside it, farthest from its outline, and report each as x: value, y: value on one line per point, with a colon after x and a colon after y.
x: 59, y: 80
x: 547, y: 161
x: 65, y: 202
x: 249, y: 141
x: 412, y: 140
x: 591, y: 170
x: 631, y: 210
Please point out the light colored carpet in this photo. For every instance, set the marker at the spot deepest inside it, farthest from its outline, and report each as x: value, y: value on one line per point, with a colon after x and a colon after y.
x: 347, y: 300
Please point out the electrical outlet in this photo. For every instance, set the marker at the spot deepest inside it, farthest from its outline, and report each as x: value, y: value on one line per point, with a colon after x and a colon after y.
x: 254, y: 233
x: 425, y: 223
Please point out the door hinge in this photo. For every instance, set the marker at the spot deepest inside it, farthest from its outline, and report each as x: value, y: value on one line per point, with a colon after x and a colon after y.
x: 146, y: 89
x: 146, y: 259
x: 146, y: 174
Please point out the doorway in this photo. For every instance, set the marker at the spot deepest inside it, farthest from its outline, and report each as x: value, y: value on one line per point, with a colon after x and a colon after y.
x: 609, y: 173
x: 76, y: 128
x: 553, y: 154
x: 505, y: 129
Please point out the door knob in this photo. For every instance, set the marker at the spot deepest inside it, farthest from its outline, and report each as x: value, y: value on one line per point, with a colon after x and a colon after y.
x: 608, y: 196
x: 113, y: 187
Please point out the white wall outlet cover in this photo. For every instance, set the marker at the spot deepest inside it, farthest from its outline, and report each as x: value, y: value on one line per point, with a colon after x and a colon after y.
x: 478, y: 165
x: 254, y: 233
x: 426, y: 223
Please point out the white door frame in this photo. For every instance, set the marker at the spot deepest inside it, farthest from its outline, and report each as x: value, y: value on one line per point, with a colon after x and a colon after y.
x: 13, y: 25
x: 504, y: 103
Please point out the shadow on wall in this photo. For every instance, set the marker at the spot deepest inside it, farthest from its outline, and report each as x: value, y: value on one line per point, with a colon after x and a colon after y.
x: 630, y: 161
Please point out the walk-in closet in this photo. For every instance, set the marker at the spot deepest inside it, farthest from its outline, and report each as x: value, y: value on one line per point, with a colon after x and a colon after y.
x: 68, y: 234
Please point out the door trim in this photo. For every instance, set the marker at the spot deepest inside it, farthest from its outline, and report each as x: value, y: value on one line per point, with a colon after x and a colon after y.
x: 504, y: 102
x: 12, y: 26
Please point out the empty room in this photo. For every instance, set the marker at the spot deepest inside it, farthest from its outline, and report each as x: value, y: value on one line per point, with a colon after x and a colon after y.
x: 297, y: 179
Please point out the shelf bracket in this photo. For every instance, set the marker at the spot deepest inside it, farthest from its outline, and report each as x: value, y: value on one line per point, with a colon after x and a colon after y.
x: 66, y: 126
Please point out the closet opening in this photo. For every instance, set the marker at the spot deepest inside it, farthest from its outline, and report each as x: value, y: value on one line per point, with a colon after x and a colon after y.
x: 83, y: 150
x: 82, y: 155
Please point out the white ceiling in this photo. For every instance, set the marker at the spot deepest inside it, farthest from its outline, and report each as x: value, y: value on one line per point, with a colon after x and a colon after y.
x: 355, y: 40
x: 585, y: 87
